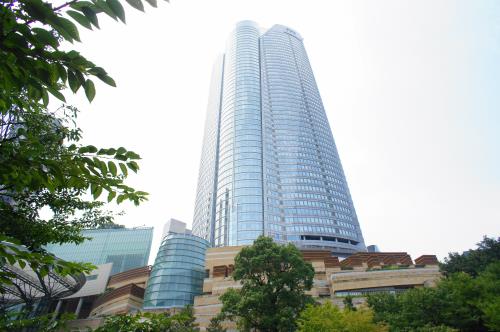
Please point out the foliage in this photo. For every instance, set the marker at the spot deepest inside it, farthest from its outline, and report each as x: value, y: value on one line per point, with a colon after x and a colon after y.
x: 328, y: 318
x: 459, y: 301
x: 42, y: 164
x: 348, y: 303
x: 15, y: 322
x: 274, y: 279
x: 151, y: 322
x: 216, y: 324
x: 475, y: 260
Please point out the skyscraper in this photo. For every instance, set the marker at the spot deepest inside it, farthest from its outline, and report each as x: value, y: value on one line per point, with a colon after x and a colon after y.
x: 269, y: 163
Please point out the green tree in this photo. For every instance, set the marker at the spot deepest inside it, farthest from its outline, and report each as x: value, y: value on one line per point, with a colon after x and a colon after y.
x: 43, y: 165
x: 329, y: 318
x: 459, y: 301
x: 216, y: 324
x: 473, y: 261
x: 151, y: 322
x: 274, y: 279
x: 467, y: 299
x: 348, y: 303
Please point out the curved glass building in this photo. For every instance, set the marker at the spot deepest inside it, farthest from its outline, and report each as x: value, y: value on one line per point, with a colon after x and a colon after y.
x: 269, y: 163
x: 178, y: 272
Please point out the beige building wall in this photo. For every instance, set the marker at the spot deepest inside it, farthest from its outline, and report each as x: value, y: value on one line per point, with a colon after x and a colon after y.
x: 360, y: 273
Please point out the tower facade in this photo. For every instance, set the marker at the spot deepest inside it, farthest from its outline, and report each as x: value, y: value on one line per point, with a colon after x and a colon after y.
x: 269, y: 162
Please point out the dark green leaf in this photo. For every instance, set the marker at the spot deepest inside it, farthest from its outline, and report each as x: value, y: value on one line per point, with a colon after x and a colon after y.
x: 62, y: 72
x: 84, y: 21
x: 108, y: 80
x: 111, y: 195
x: 133, y: 166
x: 124, y: 169
x: 91, y: 149
x: 121, y: 198
x: 56, y: 93
x: 45, y: 97
x: 137, y: 4
x: 91, y: 15
x: 97, y: 192
x: 89, y: 90
x: 64, y: 25
x: 117, y: 8
x: 152, y: 3
x: 45, y: 37
x: 74, y: 84
x: 102, y: 5
x: 112, y: 168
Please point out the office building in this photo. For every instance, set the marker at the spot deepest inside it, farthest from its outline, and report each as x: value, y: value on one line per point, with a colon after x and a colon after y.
x: 269, y: 163
x: 126, y: 248
x: 179, y: 269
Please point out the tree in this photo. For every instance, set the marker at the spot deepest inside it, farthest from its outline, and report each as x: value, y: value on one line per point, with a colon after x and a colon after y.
x: 348, y: 303
x: 468, y: 299
x: 329, y: 318
x: 475, y: 260
x: 216, y: 324
x: 274, y: 279
x: 151, y: 322
x: 42, y: 163
x: 459, y: 301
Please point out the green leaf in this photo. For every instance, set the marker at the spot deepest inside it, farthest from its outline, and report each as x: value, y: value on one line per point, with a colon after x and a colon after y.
x: 90, y: 90
x: 121, y: 198
x: 74, y: 84
x: 137, y: 4
x: 112, y: 168
x: 45, y: 97
x: 108, y: 80
x: 111, y: 196
x: 45, y: 37
x: 91, y: 149
x: 103, y: 167
x: 56, y: 93
x: 84, y: 21
x: 79, y: 5
x: 97, y: 192
x: 63, y: 75
x: 152, y: 3
x: 91, y: 15
x: 132, y: 155
x: 133, y: 166
x: 117, y: 8
x: 63, y: 24
x: 124, y: 169
x: 102, y: 5
x: 121, y: 150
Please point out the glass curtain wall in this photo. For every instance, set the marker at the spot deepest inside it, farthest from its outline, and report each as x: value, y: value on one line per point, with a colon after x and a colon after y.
x: 178, y: 272
x: 239, y: 210
x: 277, y: 169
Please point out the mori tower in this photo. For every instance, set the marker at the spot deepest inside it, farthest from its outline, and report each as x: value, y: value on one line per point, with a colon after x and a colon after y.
x: 269, y: 163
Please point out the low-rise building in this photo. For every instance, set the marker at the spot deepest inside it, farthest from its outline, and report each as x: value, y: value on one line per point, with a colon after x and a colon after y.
x: 358, y: 275
x: 119, y: 294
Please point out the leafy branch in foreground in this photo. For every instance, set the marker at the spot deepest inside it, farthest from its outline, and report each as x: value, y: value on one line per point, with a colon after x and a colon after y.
x: 43, y: 167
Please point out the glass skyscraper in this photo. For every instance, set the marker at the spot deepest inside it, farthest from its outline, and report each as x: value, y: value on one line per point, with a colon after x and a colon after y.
x: 126, y: 248
x: 269, y: 163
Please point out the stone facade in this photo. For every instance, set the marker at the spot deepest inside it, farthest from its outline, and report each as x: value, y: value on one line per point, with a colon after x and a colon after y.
x: 358, y: 275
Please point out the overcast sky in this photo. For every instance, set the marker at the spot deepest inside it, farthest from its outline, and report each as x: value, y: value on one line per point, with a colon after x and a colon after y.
x: 411, y: 90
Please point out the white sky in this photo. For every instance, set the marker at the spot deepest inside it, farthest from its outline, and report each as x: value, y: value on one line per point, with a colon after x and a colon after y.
x: 411, y: 89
